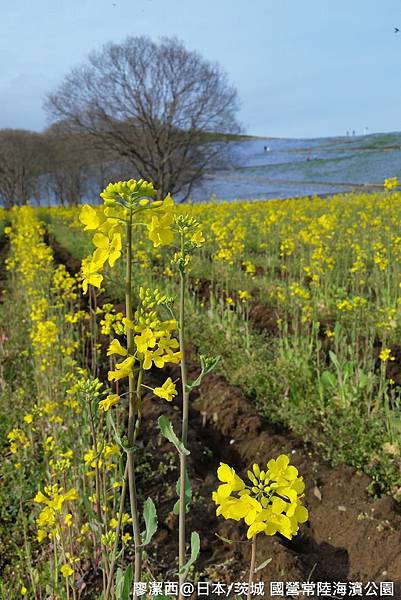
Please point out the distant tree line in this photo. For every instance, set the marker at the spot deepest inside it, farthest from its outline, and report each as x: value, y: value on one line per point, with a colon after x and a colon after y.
x: 135, y: 109
x: 57, y: 166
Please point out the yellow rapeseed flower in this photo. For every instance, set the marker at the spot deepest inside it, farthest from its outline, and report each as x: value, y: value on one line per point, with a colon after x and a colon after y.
x: 108, y: 402
x: 66, y: 570
x: 270, y: 503
x: 166, y: 391
x: 385, y: 355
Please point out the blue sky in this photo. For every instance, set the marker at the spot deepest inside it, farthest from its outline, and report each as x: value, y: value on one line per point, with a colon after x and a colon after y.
x: 303, y: 68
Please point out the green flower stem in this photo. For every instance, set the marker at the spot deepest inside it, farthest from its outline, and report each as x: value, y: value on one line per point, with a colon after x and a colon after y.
x: 118, y: 530
x: 138, y: 403
x: 55, y: 573
x: 98, y: 493
x: 184, y: 433
x: 28, y: 556
x: 124, y: 488
x: 132, y: 413
x: 252, y: 568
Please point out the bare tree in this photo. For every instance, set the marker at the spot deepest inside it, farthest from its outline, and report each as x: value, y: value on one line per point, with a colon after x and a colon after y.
x: 69, y: 164
x: 159, y: 106
x: 22, y: 160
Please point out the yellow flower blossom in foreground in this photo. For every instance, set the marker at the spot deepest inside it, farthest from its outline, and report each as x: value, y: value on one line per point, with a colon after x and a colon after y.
x: 89, y: 217
x: 166, y: 391
x: 125, y: 189
x: 108, y: 402
x: 146, y: 340
x: 231, y: 481
x: 90, y: 271
x: 116, y: 348
x: 123, y: 369
x: 270, y: 503
x: 159, y: 229
x: 107, y: 248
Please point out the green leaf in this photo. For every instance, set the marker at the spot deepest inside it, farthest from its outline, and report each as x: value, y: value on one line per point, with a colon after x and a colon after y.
x: 119, y: 441
x: 167, y: 430
x: 150, y: 516
x: 124, y: 583
x: 188, y: 495
x: 334, y: 359
x: 363, y: 379
x: 195, y: 548
x: 223, y: 539
x: 208, y: 363
x: 263, y: 565
x: 328, y: 380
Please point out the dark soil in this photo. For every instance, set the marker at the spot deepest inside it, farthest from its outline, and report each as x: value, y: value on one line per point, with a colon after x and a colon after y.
x: 349, y: 537
x: 264, y: 319
x: 62, y: 256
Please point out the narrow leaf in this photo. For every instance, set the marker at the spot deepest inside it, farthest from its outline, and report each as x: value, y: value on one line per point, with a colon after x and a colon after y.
x: 167, y: 430
x: 334, y: 359
x: 223, y: 539
x: 263, y: 565
x: 118, y: 439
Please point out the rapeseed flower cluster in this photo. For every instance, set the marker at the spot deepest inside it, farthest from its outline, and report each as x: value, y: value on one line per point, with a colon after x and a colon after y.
x: 55, y: 514
x: 153, y: 344
x: 122, y: 201
x: 270, y: 502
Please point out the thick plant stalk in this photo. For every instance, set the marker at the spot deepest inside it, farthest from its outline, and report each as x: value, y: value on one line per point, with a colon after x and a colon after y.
x: 132, y: 414
x: 184, y: 433
x: 252, y: 568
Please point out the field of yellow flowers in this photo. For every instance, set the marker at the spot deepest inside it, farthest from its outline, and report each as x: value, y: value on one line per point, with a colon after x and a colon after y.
x: 195, y: 394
